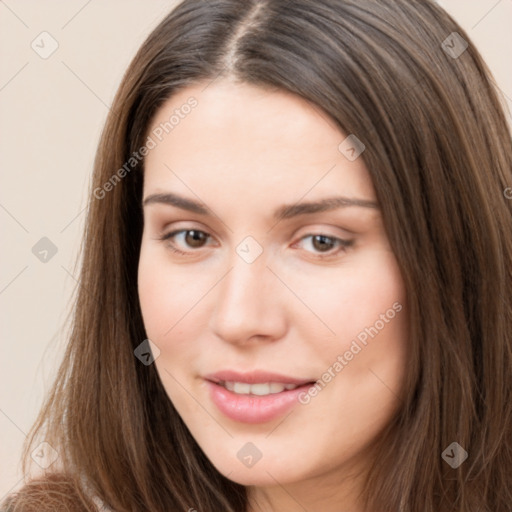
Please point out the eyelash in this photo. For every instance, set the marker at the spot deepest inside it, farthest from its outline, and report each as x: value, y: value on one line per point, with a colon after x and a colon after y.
x: 343, y: 244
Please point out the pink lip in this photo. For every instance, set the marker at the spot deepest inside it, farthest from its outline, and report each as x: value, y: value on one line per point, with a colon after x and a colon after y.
x: 254, y: 408
x: 254, y: 377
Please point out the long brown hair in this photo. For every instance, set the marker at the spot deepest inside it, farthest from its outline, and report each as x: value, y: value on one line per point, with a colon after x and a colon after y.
x: 397, y: 74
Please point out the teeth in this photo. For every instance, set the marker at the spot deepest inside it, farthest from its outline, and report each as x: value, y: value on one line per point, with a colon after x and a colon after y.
x: 260, y: 389
x: 242, y: 388
x: 276, y: 387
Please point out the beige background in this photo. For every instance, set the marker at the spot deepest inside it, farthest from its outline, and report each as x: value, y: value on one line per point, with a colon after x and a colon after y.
x: 51, y: 114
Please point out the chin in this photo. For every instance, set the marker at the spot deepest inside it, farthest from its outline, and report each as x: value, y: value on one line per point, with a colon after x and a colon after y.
x: 259, y: 476
x: 234, y: 462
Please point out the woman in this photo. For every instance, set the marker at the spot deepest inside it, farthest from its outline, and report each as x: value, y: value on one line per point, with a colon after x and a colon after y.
x: 296, y: 273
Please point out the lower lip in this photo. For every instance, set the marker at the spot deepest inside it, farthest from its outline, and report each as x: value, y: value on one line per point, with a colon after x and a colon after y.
x: 254, y: 408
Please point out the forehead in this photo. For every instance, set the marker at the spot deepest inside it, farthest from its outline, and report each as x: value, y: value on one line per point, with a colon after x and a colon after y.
x: 251, y: 141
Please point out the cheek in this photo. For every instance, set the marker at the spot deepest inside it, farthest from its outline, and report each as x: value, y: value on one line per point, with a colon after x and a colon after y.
x: 343, y: 302
x: 373, y: 345
x: 364, y: 361
x: 166, y: 295
x: 350, y: 298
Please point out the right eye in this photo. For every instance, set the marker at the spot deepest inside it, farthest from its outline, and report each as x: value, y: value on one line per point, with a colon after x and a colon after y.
x: 193, y: 238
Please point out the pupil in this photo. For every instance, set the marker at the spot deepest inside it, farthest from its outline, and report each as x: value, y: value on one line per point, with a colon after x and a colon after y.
x: 196, y: 239
x: 324, y: 242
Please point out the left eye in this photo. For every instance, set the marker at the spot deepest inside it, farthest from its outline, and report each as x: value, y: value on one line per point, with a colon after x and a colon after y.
x: 324, y: 243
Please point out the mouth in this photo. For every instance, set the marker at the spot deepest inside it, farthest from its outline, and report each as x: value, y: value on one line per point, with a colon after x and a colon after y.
x: 257, y: 389
x: 256, y: 397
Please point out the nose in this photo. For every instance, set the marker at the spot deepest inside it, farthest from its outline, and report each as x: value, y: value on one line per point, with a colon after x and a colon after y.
x: 249, y: 304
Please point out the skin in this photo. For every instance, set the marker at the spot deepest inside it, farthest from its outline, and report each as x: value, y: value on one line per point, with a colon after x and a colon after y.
x: 245, y: 151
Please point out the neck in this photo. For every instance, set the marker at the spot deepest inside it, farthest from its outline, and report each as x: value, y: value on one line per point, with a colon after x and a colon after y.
x: 324, y: 493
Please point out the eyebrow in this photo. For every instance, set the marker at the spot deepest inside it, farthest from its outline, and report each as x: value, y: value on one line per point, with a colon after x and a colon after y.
x: 283, y: 212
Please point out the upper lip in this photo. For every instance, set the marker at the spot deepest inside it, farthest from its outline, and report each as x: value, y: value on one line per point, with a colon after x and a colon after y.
x: 254, y: 377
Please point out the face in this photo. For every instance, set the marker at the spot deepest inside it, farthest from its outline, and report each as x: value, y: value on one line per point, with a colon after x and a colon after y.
x: 280, y: 325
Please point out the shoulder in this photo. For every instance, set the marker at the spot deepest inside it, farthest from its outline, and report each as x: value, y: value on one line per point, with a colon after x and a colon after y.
x: 51, y: 493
